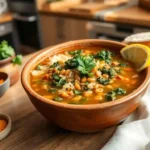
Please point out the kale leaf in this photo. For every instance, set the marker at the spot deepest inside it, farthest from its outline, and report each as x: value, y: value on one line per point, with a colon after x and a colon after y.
x: 111, y: 96
x: 77, y: 92
x: 104, y: 55
x: 103, y: 81
x: 111, y: 71
x: 57, y: 80
x: 120, y: 91
x: 75, y: 53
x: 71, y: 63
x: 56, y: 65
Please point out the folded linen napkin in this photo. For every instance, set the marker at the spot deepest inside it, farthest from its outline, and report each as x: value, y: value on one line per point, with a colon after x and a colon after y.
x: 134, y: 133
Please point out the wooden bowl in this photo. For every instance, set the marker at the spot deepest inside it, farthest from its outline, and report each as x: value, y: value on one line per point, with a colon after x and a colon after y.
x: 83, y: 118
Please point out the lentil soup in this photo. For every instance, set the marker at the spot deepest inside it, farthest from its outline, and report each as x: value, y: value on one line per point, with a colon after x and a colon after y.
x: 86, y: 76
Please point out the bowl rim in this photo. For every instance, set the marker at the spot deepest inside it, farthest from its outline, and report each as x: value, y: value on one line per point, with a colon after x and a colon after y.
x: 6, y: 80
x: 104, y: 105
x: 6, y: 60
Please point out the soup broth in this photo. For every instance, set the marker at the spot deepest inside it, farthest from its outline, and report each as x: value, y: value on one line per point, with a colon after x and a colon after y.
x: 87, y: 76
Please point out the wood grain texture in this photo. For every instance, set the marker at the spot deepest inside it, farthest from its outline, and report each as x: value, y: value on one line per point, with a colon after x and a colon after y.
x: 6, y: 17
x: 133, y: 15
x: 95, y: 6
x: 31, y: 131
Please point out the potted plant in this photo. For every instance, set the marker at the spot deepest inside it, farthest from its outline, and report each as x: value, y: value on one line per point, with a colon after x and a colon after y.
x: 9, y: 62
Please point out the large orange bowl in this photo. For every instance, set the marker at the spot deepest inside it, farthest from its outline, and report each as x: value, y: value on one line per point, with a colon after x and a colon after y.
x: 83, y: 118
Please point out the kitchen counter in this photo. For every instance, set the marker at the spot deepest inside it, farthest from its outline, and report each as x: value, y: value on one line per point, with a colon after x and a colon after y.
x: 67, y: 13
x: 30, y: 130
x: 132, y: 15
x: 6, y: 17
x: 128, y: 15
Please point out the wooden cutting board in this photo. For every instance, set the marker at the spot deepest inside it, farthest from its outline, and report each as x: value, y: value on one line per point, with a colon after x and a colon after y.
x: 132, y: 15
x: 95, y: 6
x: 53, y: 6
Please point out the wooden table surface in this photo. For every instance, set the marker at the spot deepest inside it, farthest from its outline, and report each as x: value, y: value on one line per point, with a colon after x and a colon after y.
x: 132, y: 15
x: 6, y: 17
x: 31, y: 131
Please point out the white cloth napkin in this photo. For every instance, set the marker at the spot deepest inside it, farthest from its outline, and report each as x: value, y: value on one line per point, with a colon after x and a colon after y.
x: 134, y: 133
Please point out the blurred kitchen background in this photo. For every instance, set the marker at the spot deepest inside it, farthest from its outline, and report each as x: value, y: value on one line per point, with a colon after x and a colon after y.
x: 30, y: 25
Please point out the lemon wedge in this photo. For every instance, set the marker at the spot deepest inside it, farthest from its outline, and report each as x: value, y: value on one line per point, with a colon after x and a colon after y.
x: 138, y: 54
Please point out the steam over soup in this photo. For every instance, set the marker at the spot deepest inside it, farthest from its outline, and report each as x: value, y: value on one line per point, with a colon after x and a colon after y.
x: 87, y: 76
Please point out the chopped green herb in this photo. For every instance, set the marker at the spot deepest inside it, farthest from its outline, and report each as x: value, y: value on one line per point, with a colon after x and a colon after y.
x: 111, y: 72
x: 110, y: 96
x: 59, y: 83
x: 71, y: 63
x: 56, y: 77
x: 62, y: 81
x: 76, y: 92
x: 86, y: 64
x: 55, y: 64
x: 17, y: 60
x: 120, y: 91
x: 104, y: 55
x: 103, y: 81
x: 76, y: 52
x: 58, y: 99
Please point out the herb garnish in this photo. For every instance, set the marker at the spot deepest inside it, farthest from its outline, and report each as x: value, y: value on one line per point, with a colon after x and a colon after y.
x: 76, y: 52
x: 120, y: 91
x: 57, y: 80
x: 77, y: 92
x: 104, y: 55
x: 84, y: 64
x: 112, y: 95
x: 103, y: 81
x: 56, y: 65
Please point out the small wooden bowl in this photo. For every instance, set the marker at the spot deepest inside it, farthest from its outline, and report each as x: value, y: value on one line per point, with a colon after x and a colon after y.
x: 6, y: 131
x: 5, y: 85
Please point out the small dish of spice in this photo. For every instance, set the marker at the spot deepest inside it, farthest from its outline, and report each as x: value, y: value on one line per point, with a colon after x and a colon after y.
x: 5, y: 125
